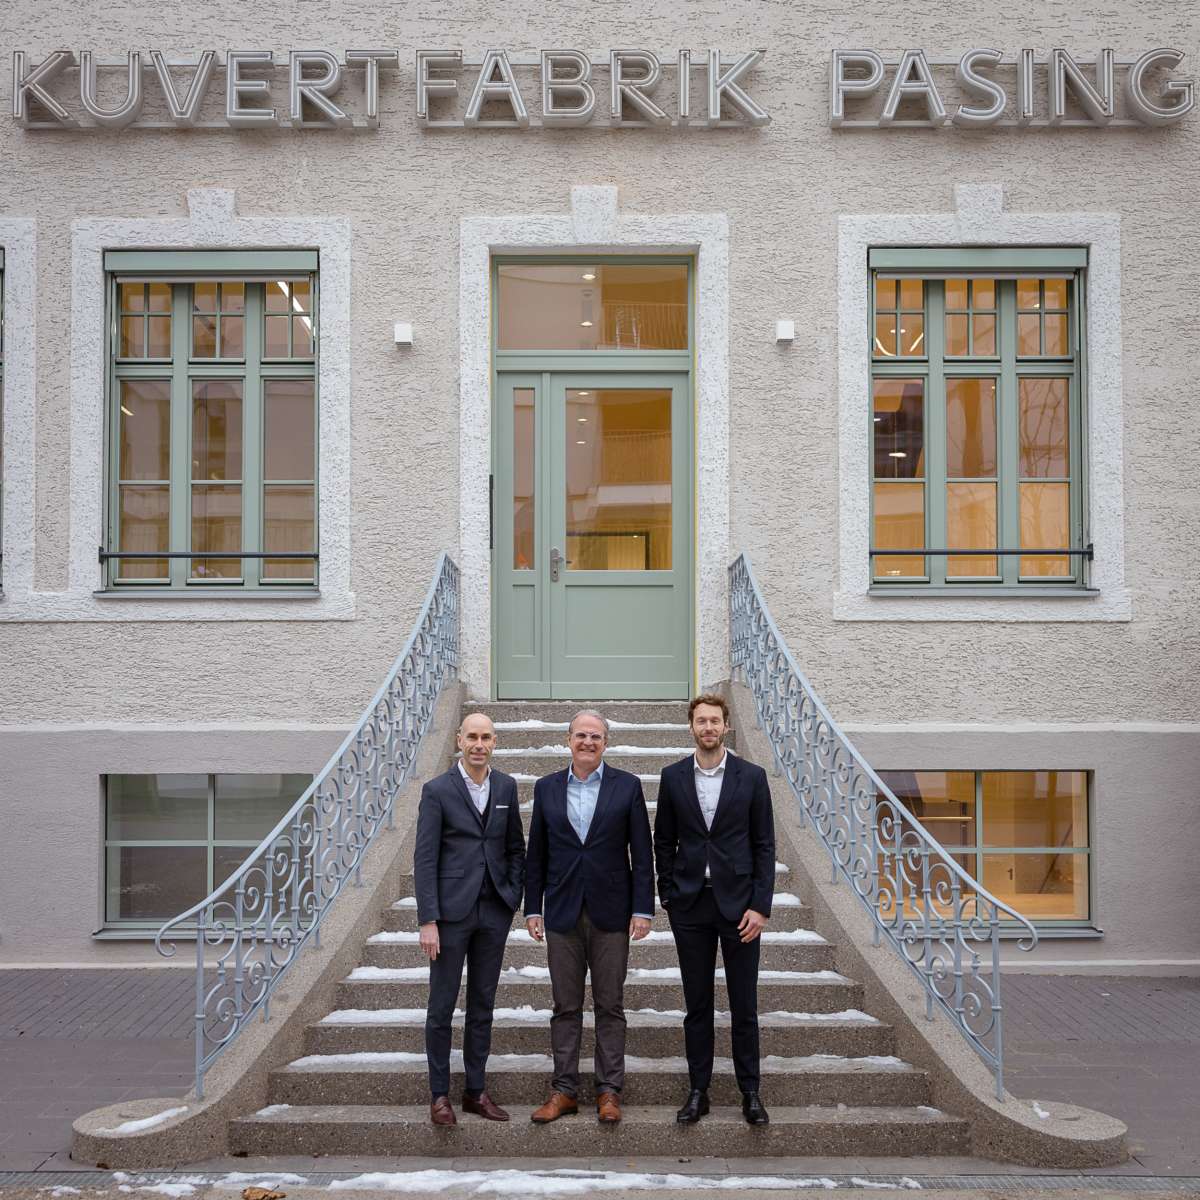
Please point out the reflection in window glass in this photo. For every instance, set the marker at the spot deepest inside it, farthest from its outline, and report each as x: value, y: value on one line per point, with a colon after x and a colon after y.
x: 592, y: 306
x: 524, y: 475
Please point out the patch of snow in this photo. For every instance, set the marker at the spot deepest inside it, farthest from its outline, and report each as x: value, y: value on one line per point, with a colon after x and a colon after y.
x: 780, y: 868
x: 272, y: 1109
x: 390, y: 974
x: 563, y: 726
x: 378, y: 1016
x: 883, y: 1184
x: 173, y: 1189
x: 847, y: 1014
x: 406, y: 902
x: 145, y: 1122
x: 525, y: 973
x: 62, y: 1190
x: 566, y: 1182
x: 240, y: 1179
x: 927, y: 1110
x: 785, y: 900
x: 406, y: 1058
x: 560, y: 749
x: 1043, y: 1115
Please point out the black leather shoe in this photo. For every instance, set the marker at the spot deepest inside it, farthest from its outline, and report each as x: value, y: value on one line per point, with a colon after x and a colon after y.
x: 695, y: 1108
x: 753, y: 1111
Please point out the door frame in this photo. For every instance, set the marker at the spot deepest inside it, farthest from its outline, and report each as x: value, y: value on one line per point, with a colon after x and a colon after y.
x: 595, y: 226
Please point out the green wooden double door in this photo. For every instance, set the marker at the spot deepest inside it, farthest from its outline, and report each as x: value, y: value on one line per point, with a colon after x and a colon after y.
x: 592, y: 535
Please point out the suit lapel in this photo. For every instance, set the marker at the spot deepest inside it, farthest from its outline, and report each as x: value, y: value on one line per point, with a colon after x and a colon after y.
x: 688, y: 772
x: 607, y: 782
x: 728, y: 786
x: 565, y: 803
x: 495, y: 793
x: 465, y: 792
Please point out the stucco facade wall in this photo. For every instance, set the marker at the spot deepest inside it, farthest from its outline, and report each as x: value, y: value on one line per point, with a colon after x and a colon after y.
x: 403, y: 192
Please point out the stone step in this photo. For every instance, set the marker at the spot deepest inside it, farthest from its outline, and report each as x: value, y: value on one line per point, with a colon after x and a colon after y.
x: 403, y: 1078
x: 648, y: 1032
x: 789, y: 991
x: 637, y: 711
x: 525, y: 784
x: 799, y: 950
x: 547, y: 757
x: 512, y: 734
x: 787, y: 914
x: 857, y: 1132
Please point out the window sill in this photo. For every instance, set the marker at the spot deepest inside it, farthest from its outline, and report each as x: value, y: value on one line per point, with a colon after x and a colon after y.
x: 290, y: 593
x: 114, y: 933
x: 1056, y: 933
x: 983, y: 592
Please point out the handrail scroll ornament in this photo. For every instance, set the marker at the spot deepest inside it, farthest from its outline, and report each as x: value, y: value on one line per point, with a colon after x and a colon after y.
x: 252, y: 927
x: 943, y: 923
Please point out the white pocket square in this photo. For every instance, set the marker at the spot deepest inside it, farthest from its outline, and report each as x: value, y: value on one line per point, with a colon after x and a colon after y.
x: 501, y: 805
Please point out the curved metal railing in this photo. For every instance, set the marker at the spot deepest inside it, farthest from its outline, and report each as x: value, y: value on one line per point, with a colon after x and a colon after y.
x: 252, y: 927
x: 941, y: 921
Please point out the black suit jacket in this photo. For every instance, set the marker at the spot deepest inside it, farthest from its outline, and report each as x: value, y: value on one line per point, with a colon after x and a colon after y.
x: 612, y: 872
x: 455, y: 846
x: 739, y: 850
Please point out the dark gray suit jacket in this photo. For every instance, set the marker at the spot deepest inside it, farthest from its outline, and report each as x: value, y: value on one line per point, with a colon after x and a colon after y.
x: 455, y: 846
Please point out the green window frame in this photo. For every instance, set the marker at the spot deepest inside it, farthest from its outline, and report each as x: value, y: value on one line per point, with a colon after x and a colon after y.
x: 190, y: 837
x: 212, y: 426
x: 2, y: 463
x: 978, y: 428
x: 953, y: 804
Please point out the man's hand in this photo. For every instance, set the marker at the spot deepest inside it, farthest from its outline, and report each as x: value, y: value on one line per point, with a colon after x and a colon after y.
x: 429, y: 940
x: 751, y: 925
x: 638, y: 928
x: 537, y: 930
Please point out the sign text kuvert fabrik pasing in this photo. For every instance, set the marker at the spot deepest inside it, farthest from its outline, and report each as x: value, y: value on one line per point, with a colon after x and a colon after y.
x: 307, y: 89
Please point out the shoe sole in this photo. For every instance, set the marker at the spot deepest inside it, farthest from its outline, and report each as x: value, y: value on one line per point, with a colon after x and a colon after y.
x: 568, y: 1112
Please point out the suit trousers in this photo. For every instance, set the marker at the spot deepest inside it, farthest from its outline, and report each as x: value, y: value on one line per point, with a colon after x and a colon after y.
x: 698, y: 929
x: 478, y: 940
x: 570, y: 956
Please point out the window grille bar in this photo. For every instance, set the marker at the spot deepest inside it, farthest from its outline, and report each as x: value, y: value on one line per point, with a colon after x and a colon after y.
x: 105, y: 555
x: 1087, y: 552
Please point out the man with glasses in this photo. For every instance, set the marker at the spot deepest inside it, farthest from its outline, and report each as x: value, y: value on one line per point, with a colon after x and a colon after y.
x: 589, y: 889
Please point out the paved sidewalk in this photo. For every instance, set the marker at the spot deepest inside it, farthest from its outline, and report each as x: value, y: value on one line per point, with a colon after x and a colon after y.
x: 71, y: 1041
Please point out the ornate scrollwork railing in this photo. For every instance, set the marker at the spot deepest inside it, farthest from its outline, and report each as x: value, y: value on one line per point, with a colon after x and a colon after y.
x: 944, y: 924
x: 250, y: 930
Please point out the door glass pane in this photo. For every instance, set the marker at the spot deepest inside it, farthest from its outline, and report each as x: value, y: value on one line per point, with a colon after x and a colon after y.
x: 157, y: 808
x: 155, y: 882
x: 1045, y: 525
x: 618, y: 501
x: 1046, y: 886
x: 217, y: 429
x: 1035, y: 809
x: 145, y: 429
x: 1044, y: 439
x: 247, y: 807
x: 970, y: 428
x: 144, y: 526
x: 289, y: 430
x: 899, y: 525
x: 596, y: 306
x: 970, y: 525
x: 216, y: 525
x: 524, y: 448
x: 943, y: 801
x: 289, y: 526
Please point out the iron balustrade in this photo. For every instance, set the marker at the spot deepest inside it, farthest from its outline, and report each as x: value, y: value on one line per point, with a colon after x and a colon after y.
x: 253, y: 927
x: 944, y: 924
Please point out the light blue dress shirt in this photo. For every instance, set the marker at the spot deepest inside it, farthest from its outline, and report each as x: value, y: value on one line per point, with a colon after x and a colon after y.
x: 582, y: 795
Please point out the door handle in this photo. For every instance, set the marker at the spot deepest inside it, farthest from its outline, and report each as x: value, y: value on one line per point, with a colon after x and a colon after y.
x: 556, y: 563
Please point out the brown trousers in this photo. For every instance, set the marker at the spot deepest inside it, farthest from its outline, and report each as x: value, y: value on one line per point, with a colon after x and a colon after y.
x: 571, y: 956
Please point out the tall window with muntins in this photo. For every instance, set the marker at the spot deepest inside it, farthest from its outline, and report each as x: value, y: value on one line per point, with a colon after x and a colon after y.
x: 171, y: 839
x: 976, y: 419
x: 1022, y: 834
x: 212, y: 423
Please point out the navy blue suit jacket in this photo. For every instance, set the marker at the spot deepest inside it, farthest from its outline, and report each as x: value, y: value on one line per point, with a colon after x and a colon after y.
x: 612, y: 873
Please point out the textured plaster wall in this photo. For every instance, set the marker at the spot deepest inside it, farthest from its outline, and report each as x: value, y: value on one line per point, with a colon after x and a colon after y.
x: 404, y: 192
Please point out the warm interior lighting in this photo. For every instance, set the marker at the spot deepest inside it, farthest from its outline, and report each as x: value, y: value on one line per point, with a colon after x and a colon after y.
x: 879, y: 347
x: 878, y: 419
x: 580, y: 442
x: 586, y: 324
x: 916, y: 341
x: 126, y: 411
x: 897, y: 454
x: 581, y: 420
x: 589, y: 275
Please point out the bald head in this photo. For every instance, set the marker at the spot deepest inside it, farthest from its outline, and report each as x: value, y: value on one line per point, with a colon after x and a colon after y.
x: 476, y: 741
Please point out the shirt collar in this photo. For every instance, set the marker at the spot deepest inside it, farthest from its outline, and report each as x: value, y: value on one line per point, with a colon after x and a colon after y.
x: 470, y: 782
x: 711, y: 770
x: 595, y: 776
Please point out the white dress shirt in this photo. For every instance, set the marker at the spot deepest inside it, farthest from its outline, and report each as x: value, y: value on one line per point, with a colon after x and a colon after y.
x: 708, y: 791
x: 479, y: 791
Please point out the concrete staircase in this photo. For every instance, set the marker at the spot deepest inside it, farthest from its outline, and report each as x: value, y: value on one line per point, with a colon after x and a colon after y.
x: 830, y: 1080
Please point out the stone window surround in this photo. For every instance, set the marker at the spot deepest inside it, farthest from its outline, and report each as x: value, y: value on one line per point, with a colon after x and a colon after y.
x: 979, y: 219
x: 211, y: 224
x: 595, y: 225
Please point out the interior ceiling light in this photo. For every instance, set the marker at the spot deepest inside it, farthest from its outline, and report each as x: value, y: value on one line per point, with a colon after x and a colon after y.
x: 580, y: 442
x: 589, y: 275
x: 897, y: 454
x: 581, y: 420
x: 583, y: 393
x: 586, y: 324
x: 126, y: 411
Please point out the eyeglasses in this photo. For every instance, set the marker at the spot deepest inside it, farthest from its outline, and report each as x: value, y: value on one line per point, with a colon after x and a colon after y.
x: 587, y: 737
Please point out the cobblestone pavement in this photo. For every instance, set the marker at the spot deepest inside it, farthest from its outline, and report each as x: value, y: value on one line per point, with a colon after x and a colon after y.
x: 71, y: 1041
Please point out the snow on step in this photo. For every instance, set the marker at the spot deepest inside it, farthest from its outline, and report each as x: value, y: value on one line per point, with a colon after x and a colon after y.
x: 563, y: 726
x: 635, y: 975
x: 807, y: 937
x: 521, y: 777
x: 779, y: 900
x: 526, y: 1014
x: 774, y: 1064
x: 559, y: 748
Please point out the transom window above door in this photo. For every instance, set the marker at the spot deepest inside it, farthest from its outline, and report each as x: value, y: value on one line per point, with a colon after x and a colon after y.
x: 977, y: 419
x: 597, y: 305
x: 212, y: 421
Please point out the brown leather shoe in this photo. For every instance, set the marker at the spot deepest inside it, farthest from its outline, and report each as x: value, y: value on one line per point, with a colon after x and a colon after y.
x: 559, y: 1105
x: 608, y: 1107
x: 440, y: 1112
x: 484, y: 1107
